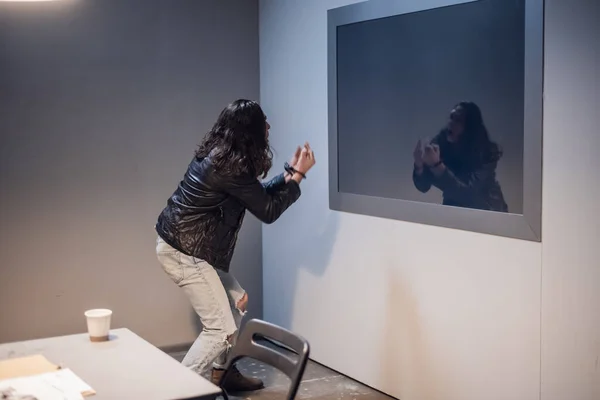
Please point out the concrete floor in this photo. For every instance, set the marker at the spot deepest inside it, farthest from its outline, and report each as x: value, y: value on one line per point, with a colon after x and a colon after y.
x: 319, y: 383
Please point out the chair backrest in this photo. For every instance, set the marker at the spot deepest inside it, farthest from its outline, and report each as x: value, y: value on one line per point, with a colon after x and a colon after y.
x: 248, y: 345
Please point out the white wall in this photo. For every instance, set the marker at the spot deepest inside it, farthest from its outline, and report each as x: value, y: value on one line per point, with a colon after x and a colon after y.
x: 102, y: 104
x: 571, y: 217
x: 430, y: 313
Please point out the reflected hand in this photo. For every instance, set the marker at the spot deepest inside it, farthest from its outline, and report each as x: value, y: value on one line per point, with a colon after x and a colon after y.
x: 418, y: 155
x: 431, y: 155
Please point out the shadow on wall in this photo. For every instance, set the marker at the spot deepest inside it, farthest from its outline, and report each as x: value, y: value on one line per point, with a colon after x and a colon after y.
x: 308, y: 248
x: 403, y: 335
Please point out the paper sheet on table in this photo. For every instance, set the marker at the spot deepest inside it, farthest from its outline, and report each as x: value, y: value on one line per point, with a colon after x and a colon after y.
x: 25, y: 366
x: 58, y: 385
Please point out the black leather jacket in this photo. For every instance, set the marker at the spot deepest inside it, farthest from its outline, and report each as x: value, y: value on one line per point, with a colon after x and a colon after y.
x: 464, y: 183
x: 204, y: 215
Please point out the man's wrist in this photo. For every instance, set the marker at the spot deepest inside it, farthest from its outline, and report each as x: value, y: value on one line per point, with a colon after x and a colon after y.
x: 291, y: 170
x: 297, y: 177
x: 287, y: 176
x: 438, y: 168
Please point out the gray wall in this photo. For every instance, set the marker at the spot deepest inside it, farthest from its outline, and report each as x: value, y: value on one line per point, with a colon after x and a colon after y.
x: 101, y: 105
x: 429, y: 313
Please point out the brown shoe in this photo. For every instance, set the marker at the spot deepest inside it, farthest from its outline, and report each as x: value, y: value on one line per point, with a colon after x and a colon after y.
x: 236, y: 382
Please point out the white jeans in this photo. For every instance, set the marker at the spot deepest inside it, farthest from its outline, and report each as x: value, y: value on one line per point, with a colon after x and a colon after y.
x: 214, y: 295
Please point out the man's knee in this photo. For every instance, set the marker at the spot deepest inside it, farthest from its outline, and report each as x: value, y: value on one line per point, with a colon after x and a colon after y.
x: 242, y: 305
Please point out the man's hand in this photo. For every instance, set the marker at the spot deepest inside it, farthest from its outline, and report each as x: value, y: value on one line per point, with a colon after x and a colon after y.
x: 431, y: 155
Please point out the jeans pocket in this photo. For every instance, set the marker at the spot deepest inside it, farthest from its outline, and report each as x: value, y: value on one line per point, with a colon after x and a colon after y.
x: 171, y: 263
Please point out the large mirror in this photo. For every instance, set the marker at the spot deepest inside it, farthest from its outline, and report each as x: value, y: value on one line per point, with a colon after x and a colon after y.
x: 435, y: 113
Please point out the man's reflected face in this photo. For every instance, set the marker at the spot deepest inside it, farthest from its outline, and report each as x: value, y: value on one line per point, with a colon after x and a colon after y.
x: 457, y: 121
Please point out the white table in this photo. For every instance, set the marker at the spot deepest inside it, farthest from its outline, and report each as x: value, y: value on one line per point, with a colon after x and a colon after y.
x: 126, y: 367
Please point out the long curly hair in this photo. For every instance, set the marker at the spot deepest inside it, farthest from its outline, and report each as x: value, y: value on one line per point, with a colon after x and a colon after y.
x: 480, y: 147
x: 237, y: 144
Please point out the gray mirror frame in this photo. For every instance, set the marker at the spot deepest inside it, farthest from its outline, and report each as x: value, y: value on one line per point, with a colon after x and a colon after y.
x: 527, y: 226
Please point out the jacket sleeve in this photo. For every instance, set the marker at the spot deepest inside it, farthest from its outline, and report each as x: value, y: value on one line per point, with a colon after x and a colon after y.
x: 467, y: 187
x: 261, y: 200
x: 273, y: 185
x: 424, y: 181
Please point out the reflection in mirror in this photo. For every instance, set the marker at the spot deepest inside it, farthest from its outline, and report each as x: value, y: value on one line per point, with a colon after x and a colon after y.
x: 461, y: 162
x: 430, y: 106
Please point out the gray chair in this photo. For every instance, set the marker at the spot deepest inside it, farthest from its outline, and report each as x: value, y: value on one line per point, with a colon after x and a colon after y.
x: 250, y: 344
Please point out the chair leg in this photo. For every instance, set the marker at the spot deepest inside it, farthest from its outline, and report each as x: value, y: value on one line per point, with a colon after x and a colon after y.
x: 221, y: 384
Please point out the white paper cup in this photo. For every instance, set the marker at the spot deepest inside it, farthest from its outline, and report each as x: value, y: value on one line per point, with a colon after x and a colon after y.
x: 98, y: 323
